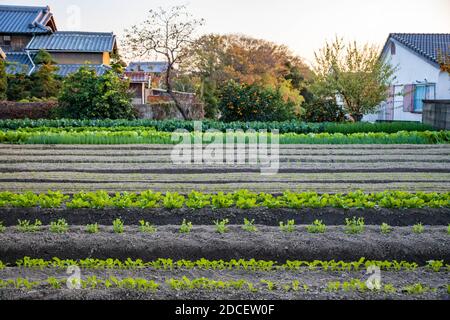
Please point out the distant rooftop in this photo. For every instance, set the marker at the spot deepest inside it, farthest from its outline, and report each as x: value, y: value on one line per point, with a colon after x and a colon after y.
x: 428, y: 45
x: 74, y: 41
x: 148, y: 66
x: 26, y: 20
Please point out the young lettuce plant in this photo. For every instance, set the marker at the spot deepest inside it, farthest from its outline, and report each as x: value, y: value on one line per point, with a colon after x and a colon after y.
x: 418, y: 228
x: 118, y: 226
x: 59, y: 226
x: 317, y: 227
x: 354, y: 226
x: 92, y: 228
x: 385, y: 228
x: 146, y: 227
x: 185, y: 226
x: 448, y: 229
x: 289, y: 226
x: 2, y: 227
x: 221, y: 226
x: 249, y: 225
x: 27, y: 226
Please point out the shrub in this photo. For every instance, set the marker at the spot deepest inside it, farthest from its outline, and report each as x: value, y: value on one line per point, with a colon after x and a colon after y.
x: 44, y: 81
x: 3, y: 80
x: 85, y: 95
x: 323, y: 110
x: 251, y: 102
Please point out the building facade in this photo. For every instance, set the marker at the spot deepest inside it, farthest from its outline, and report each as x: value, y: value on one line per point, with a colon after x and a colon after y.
x: 25, y: 30
x: 418, y: 76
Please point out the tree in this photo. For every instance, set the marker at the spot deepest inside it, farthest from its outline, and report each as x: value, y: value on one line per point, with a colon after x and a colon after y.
x: 45, y: 82
x: 167, y: 33
x: 86, y: 95
x: 252, y: 102
x: 19, y: 87
x: 3, y: 80
x: 217, y: 59
x: 356, y: 74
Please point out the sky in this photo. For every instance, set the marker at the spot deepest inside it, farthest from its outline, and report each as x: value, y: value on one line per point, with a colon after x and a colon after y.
x: 302, y: 25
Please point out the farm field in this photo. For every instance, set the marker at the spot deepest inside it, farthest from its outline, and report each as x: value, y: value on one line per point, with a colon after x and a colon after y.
x: 314, y: 242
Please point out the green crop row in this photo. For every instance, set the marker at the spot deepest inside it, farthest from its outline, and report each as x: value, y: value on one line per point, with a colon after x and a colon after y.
x: 150, y: 136
x: 242, y: 199
x: 172, y: 125
x: 241, y: 264
x: 184, y: 283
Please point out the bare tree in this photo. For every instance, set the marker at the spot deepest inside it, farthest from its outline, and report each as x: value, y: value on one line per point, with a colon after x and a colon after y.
x: 167, y: 33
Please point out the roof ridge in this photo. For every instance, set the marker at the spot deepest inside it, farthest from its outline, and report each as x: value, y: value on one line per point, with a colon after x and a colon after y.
x: 84, y: 33
x: 23, y: 8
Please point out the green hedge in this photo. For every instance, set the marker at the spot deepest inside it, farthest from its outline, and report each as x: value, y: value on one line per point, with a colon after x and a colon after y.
x: 171, y: 125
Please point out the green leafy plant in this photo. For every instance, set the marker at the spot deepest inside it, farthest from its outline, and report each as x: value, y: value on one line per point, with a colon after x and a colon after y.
x: 385, y: 228
x: 418, y: 228
x: 185, y: 227
x: 389, y: 288
x: 354, y: 225
x: 415, y: 289
x: 92, y: 228
x: 448, y: 229
x: 221, y: 226
x: 27, y: 226
x: 249, y: 225
x: 118, y: 226
x: 59, y: 226
x: 146, y: 227
x: 435, y: 265
x: 2, y: 227
x: 288, y: 226
x: 316, y: 227
x: 173, y: 200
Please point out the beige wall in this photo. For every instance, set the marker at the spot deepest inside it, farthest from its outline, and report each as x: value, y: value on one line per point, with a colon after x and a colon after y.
x: 77, y: 58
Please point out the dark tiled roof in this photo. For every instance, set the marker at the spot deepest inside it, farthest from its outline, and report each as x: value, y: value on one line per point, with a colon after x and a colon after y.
x: 66, y: 69
x: 18, y: 62
x: 428, y: 45
x: 74, y: 41
x: 21, y: 19
x: 153, y: 66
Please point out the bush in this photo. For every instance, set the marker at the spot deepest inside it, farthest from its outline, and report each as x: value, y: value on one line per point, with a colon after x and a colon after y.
x: 19, y: 87
x: 244, y: 102
x: 323, y: 111
x: 85, y: 95
x: 3, y: 80
x: 28, y: 110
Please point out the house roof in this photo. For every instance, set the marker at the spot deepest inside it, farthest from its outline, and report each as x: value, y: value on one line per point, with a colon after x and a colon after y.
x: 74, y: 41
x: 66, y: 69
x: 427, y: 45
x: 138, y: 76
x: 18, y: 62
x: 24, y: 19
x: 149, y: 66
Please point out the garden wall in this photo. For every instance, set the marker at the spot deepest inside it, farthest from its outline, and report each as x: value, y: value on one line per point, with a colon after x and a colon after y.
x: 168, y: 110
x: 437, y: 113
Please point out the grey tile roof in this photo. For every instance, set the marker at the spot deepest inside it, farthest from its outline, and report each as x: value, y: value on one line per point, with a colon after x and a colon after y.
x: 66, y: 69
x: 151, y: 66
x: 18, y: 62
x: 74, y: 41
x: 427, y: 45
x: 21, y: 19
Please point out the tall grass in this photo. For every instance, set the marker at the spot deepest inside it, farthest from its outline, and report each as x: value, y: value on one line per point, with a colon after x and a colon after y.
x: 61, y: 136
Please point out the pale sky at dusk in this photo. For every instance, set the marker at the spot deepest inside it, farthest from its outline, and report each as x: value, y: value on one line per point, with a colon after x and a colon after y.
x: 303, y: 25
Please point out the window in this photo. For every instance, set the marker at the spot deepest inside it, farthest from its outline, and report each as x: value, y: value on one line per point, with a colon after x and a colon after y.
x: 393, y: 49
x: 423, y: 91
x: 7, y: 40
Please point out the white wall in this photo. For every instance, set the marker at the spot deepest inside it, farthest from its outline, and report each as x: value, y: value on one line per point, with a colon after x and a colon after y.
x: 412, y: 68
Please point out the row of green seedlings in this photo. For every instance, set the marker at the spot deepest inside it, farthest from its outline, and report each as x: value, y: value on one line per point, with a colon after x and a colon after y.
x: 241, y: 264
x: 352, y: 226
x: 242, y: 199
x: 183, y: 284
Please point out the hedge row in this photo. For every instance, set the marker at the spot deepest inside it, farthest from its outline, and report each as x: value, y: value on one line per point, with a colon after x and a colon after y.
x: 172, y: 125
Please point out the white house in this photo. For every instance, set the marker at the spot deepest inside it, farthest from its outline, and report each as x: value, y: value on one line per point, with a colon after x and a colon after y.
x: 418, y: 76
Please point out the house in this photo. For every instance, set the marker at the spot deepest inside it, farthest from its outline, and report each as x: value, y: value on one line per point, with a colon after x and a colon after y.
x: 25, y: 30
x: 143, y: 77
x: 418, y: 76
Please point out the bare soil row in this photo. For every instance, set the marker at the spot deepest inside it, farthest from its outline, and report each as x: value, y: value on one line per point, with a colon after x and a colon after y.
x: 206, y: 216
